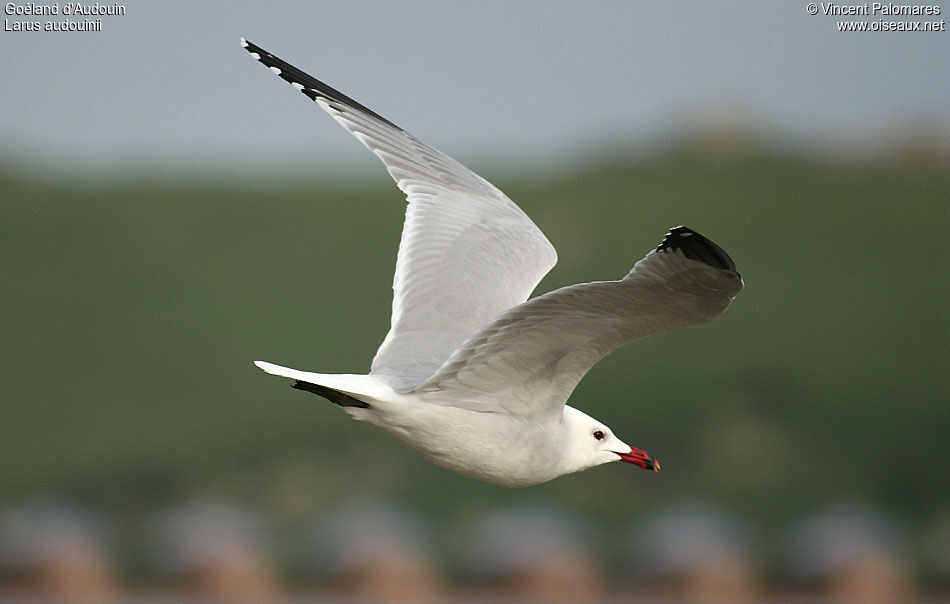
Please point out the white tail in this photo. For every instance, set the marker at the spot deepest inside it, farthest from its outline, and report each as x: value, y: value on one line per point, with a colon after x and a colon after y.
x: 360, y: 386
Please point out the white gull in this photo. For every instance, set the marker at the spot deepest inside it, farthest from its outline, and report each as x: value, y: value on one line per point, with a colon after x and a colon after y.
x: 472, y: 374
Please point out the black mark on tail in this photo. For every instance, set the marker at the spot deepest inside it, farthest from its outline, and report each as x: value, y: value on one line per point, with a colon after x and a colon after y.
x: 334, y: 396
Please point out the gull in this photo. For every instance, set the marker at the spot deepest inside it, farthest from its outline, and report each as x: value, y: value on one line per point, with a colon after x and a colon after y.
x: 473, y: 375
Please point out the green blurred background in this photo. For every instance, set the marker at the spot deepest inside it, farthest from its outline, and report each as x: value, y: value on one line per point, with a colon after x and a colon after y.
x: 133, y: 312
x: 135, y: 300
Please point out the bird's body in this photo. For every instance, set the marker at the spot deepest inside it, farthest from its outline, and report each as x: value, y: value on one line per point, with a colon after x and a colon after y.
x: 472, y: 374
x: 505, y: 449
x: 434, y: 432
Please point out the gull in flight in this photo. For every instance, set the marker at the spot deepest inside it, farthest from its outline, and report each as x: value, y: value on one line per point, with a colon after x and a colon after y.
x: 472, y: 374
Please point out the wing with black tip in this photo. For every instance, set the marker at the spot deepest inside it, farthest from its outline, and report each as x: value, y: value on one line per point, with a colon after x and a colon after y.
x: 467, y: 251
x: 529, y: 359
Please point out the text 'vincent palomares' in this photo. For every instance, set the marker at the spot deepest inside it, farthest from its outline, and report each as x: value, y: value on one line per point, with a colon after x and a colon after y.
x: 878, y: 9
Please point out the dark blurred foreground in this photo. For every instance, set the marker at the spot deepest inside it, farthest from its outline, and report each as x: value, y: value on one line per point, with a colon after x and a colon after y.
x: 221, y: 552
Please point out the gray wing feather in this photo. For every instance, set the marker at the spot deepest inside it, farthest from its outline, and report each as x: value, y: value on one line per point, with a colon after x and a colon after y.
x: 529, y: 359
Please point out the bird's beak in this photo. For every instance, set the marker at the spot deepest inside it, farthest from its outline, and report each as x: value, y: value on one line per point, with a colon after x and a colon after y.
x: 640, y: 458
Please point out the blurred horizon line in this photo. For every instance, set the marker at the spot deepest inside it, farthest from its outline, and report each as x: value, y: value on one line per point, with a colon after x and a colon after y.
x: 722, y: 133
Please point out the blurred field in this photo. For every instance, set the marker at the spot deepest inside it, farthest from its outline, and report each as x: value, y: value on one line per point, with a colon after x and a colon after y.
x: 132, y: 313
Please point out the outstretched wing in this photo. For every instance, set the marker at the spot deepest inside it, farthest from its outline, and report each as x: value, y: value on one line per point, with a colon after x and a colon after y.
x: 467, y: 251
x: 529, y: 359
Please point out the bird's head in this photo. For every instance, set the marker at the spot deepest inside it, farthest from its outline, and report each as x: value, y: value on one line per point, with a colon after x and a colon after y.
x: 590, y: 443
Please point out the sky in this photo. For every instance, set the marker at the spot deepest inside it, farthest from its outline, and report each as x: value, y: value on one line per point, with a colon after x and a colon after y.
x: 168, y: 85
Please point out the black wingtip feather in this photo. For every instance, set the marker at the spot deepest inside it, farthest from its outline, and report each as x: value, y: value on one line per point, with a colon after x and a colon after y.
x: 696, y: 247
x: 312, y: 87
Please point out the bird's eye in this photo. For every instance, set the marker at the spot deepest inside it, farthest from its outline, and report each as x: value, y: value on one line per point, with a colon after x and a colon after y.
x: 599, y: 434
